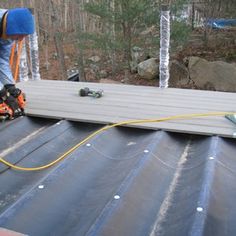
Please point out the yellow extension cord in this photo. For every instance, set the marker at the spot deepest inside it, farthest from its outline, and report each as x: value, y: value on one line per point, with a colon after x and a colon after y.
x: 109, y: 127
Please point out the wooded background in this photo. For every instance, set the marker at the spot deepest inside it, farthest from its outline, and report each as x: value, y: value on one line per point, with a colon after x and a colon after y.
x: 112, y: 29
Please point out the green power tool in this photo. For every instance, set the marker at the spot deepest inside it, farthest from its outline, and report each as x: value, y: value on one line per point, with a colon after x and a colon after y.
x: 92, y: 93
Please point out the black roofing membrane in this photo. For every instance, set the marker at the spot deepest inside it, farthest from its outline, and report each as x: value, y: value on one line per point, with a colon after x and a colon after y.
x: 124, y: 181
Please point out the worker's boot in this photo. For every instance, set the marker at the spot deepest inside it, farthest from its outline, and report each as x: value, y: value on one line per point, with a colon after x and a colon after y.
x: 17, y: 93
x: 9, y: 108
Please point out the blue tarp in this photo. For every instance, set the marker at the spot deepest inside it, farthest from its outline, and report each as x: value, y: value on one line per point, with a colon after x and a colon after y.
x: 221, y: 23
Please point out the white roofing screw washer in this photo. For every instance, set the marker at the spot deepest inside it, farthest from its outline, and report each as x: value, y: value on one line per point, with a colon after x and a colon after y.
x: 116, y: 197
x: 199, y: 209
x: 146, y: 151
x: 41, y: 186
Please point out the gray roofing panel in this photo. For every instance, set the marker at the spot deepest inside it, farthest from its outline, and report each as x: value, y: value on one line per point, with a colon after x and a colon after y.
x: 60, y: 99
x: 127, y: 182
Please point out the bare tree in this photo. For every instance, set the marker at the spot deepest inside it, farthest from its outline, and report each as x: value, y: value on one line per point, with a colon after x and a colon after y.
x: 58, y: 43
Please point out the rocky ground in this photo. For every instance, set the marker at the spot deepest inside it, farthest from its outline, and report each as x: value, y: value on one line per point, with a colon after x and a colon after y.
x: 194, y: 65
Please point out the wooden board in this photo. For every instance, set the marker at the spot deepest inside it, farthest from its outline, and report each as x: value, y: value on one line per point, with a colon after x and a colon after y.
x: 60, y: 99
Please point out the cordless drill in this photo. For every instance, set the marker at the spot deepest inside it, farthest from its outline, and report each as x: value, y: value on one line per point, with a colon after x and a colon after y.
x: 92, y: 93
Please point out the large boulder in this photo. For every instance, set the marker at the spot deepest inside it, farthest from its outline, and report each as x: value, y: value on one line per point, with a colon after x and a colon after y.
x: 149, y: 69
x: 179, y: 75
x: 217, y: 75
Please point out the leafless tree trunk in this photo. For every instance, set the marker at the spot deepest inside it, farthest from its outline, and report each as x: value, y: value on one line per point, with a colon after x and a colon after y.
x: 80, y: 29
x: 126, y: 28
x: 193, y: 15
x: 66, y: 14
x: 113, y: 36
x: 58, y: 43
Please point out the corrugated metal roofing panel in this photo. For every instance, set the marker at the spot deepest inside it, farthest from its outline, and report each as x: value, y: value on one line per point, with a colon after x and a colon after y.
x: 126, y: 182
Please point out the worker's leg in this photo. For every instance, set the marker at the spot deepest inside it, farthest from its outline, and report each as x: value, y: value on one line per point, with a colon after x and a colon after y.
x: 10, y: 97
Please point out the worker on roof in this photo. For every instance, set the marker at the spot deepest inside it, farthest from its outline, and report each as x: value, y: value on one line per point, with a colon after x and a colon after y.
x: 15, y: 24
